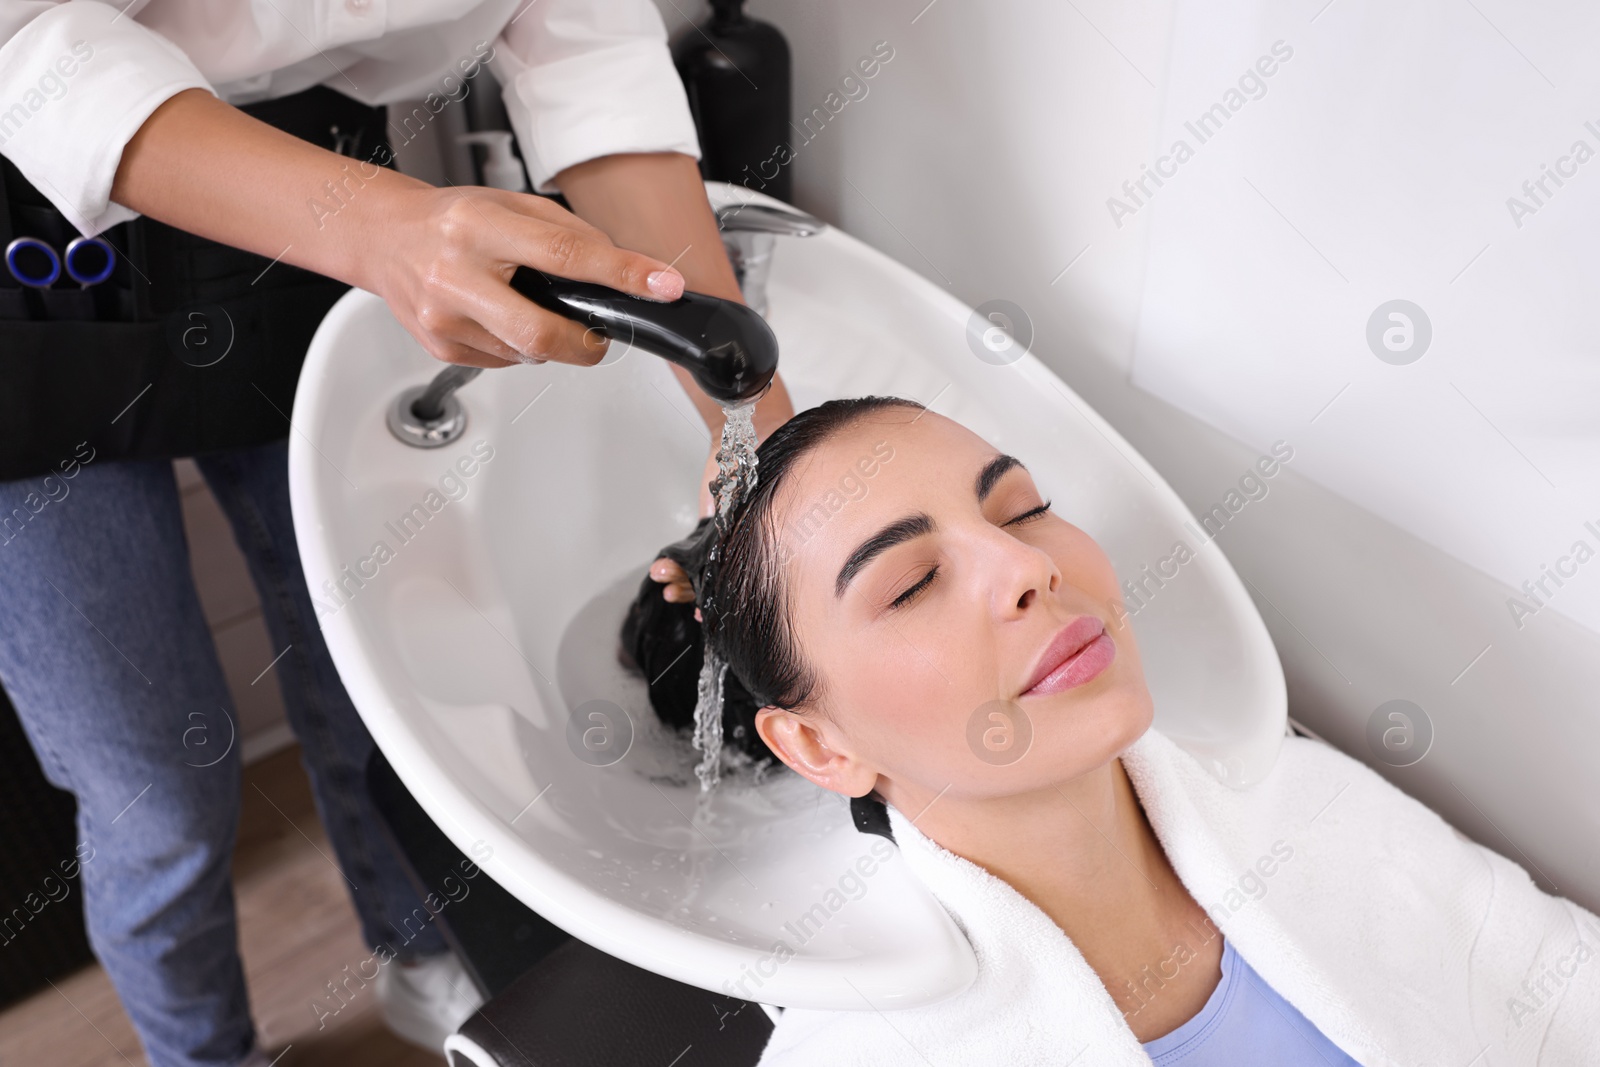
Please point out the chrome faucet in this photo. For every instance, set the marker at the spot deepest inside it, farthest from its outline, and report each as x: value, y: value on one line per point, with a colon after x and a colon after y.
x: 749, y: 233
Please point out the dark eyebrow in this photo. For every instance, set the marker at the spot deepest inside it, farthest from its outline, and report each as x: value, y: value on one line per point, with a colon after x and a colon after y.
x: 912, y: 526
x: 893, y: 534
x: 991, y: 474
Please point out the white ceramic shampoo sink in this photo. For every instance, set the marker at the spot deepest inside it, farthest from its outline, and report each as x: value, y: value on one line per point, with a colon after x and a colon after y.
x: 471, y: 596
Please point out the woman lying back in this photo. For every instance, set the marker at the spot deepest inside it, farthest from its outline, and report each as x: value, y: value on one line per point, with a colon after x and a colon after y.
x: 867, y: 629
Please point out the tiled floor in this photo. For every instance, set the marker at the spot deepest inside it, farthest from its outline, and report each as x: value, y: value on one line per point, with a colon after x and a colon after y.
x: 297, y: 932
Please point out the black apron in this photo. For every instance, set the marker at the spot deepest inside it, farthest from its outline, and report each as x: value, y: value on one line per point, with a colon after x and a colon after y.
x: 190, y: 347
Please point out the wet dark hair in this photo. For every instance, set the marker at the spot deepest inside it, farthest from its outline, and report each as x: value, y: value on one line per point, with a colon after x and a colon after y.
x: 746, y: 612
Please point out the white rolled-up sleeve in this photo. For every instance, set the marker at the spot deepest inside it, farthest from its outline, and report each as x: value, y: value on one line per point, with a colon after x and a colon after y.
x: 77, y: 80
x: 590, y: 78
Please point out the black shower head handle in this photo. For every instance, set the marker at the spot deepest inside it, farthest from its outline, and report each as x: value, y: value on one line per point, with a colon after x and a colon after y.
x: 728, y: 348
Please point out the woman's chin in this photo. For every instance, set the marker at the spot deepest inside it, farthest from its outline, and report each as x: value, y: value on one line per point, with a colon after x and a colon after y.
x: 1089, y: 729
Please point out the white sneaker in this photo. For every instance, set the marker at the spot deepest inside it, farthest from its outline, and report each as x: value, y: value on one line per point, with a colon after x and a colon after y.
x: 427, y: 1002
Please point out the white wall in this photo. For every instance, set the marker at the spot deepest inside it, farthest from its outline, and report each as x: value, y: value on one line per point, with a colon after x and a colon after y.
x: 982, y: 156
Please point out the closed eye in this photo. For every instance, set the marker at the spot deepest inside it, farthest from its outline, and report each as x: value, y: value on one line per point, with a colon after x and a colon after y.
x: 933, y: 572
x: 912, y: 593
x: 1030, y: 515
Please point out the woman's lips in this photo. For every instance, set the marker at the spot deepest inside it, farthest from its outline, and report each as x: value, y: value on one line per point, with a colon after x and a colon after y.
x: 1075, y: 655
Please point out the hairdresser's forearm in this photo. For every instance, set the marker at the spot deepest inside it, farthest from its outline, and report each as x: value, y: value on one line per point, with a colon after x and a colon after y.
x: 440, y: 258
x: 206, y: 167
x: 655, y: 203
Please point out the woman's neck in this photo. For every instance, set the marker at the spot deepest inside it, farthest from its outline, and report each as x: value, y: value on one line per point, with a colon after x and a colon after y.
x: 1085, y: 854
x: 1082, y: 851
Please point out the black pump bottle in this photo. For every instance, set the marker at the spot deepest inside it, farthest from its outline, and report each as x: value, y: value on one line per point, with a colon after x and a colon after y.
x: 736, y: 72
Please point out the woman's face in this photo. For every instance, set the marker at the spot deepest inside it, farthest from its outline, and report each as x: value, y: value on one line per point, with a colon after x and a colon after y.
x: 928, y: 592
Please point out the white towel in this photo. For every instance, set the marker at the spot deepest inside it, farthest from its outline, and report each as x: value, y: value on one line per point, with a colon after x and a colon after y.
x: 1400, y: 939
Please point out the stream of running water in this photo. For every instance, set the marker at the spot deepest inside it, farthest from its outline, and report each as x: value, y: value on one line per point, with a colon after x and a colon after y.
x: 735, y: 480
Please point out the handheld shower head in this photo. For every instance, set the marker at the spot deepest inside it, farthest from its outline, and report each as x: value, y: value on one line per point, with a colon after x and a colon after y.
x: 728, y: 348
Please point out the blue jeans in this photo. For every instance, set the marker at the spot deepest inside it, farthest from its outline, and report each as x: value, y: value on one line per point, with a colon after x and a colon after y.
x: 108, y: 659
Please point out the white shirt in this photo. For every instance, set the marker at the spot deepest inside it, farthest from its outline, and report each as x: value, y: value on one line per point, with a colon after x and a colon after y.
x: 581, y: 78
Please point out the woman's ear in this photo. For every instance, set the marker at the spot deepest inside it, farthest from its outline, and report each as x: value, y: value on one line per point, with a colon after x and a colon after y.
x: 800, y: 744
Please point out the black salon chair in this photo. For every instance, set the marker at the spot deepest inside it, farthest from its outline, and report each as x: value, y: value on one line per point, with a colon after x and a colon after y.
x: 553, y: 1001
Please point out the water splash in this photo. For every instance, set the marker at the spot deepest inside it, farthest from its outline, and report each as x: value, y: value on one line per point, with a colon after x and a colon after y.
x: 708, y: 721
x: 736, y: 462
x: 735, y: 480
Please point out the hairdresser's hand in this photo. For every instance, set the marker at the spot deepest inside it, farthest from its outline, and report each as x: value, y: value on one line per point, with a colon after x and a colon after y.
x: 676, y: 588
x: 440, y: 257
x: 657, y: 202
x: 449, y: 254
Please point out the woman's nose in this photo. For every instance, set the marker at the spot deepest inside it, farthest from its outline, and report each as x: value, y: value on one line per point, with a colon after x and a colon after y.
x: 1020, y: 575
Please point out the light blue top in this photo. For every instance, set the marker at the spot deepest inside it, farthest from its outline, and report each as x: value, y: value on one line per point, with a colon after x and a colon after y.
x: 1246, y: 1022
